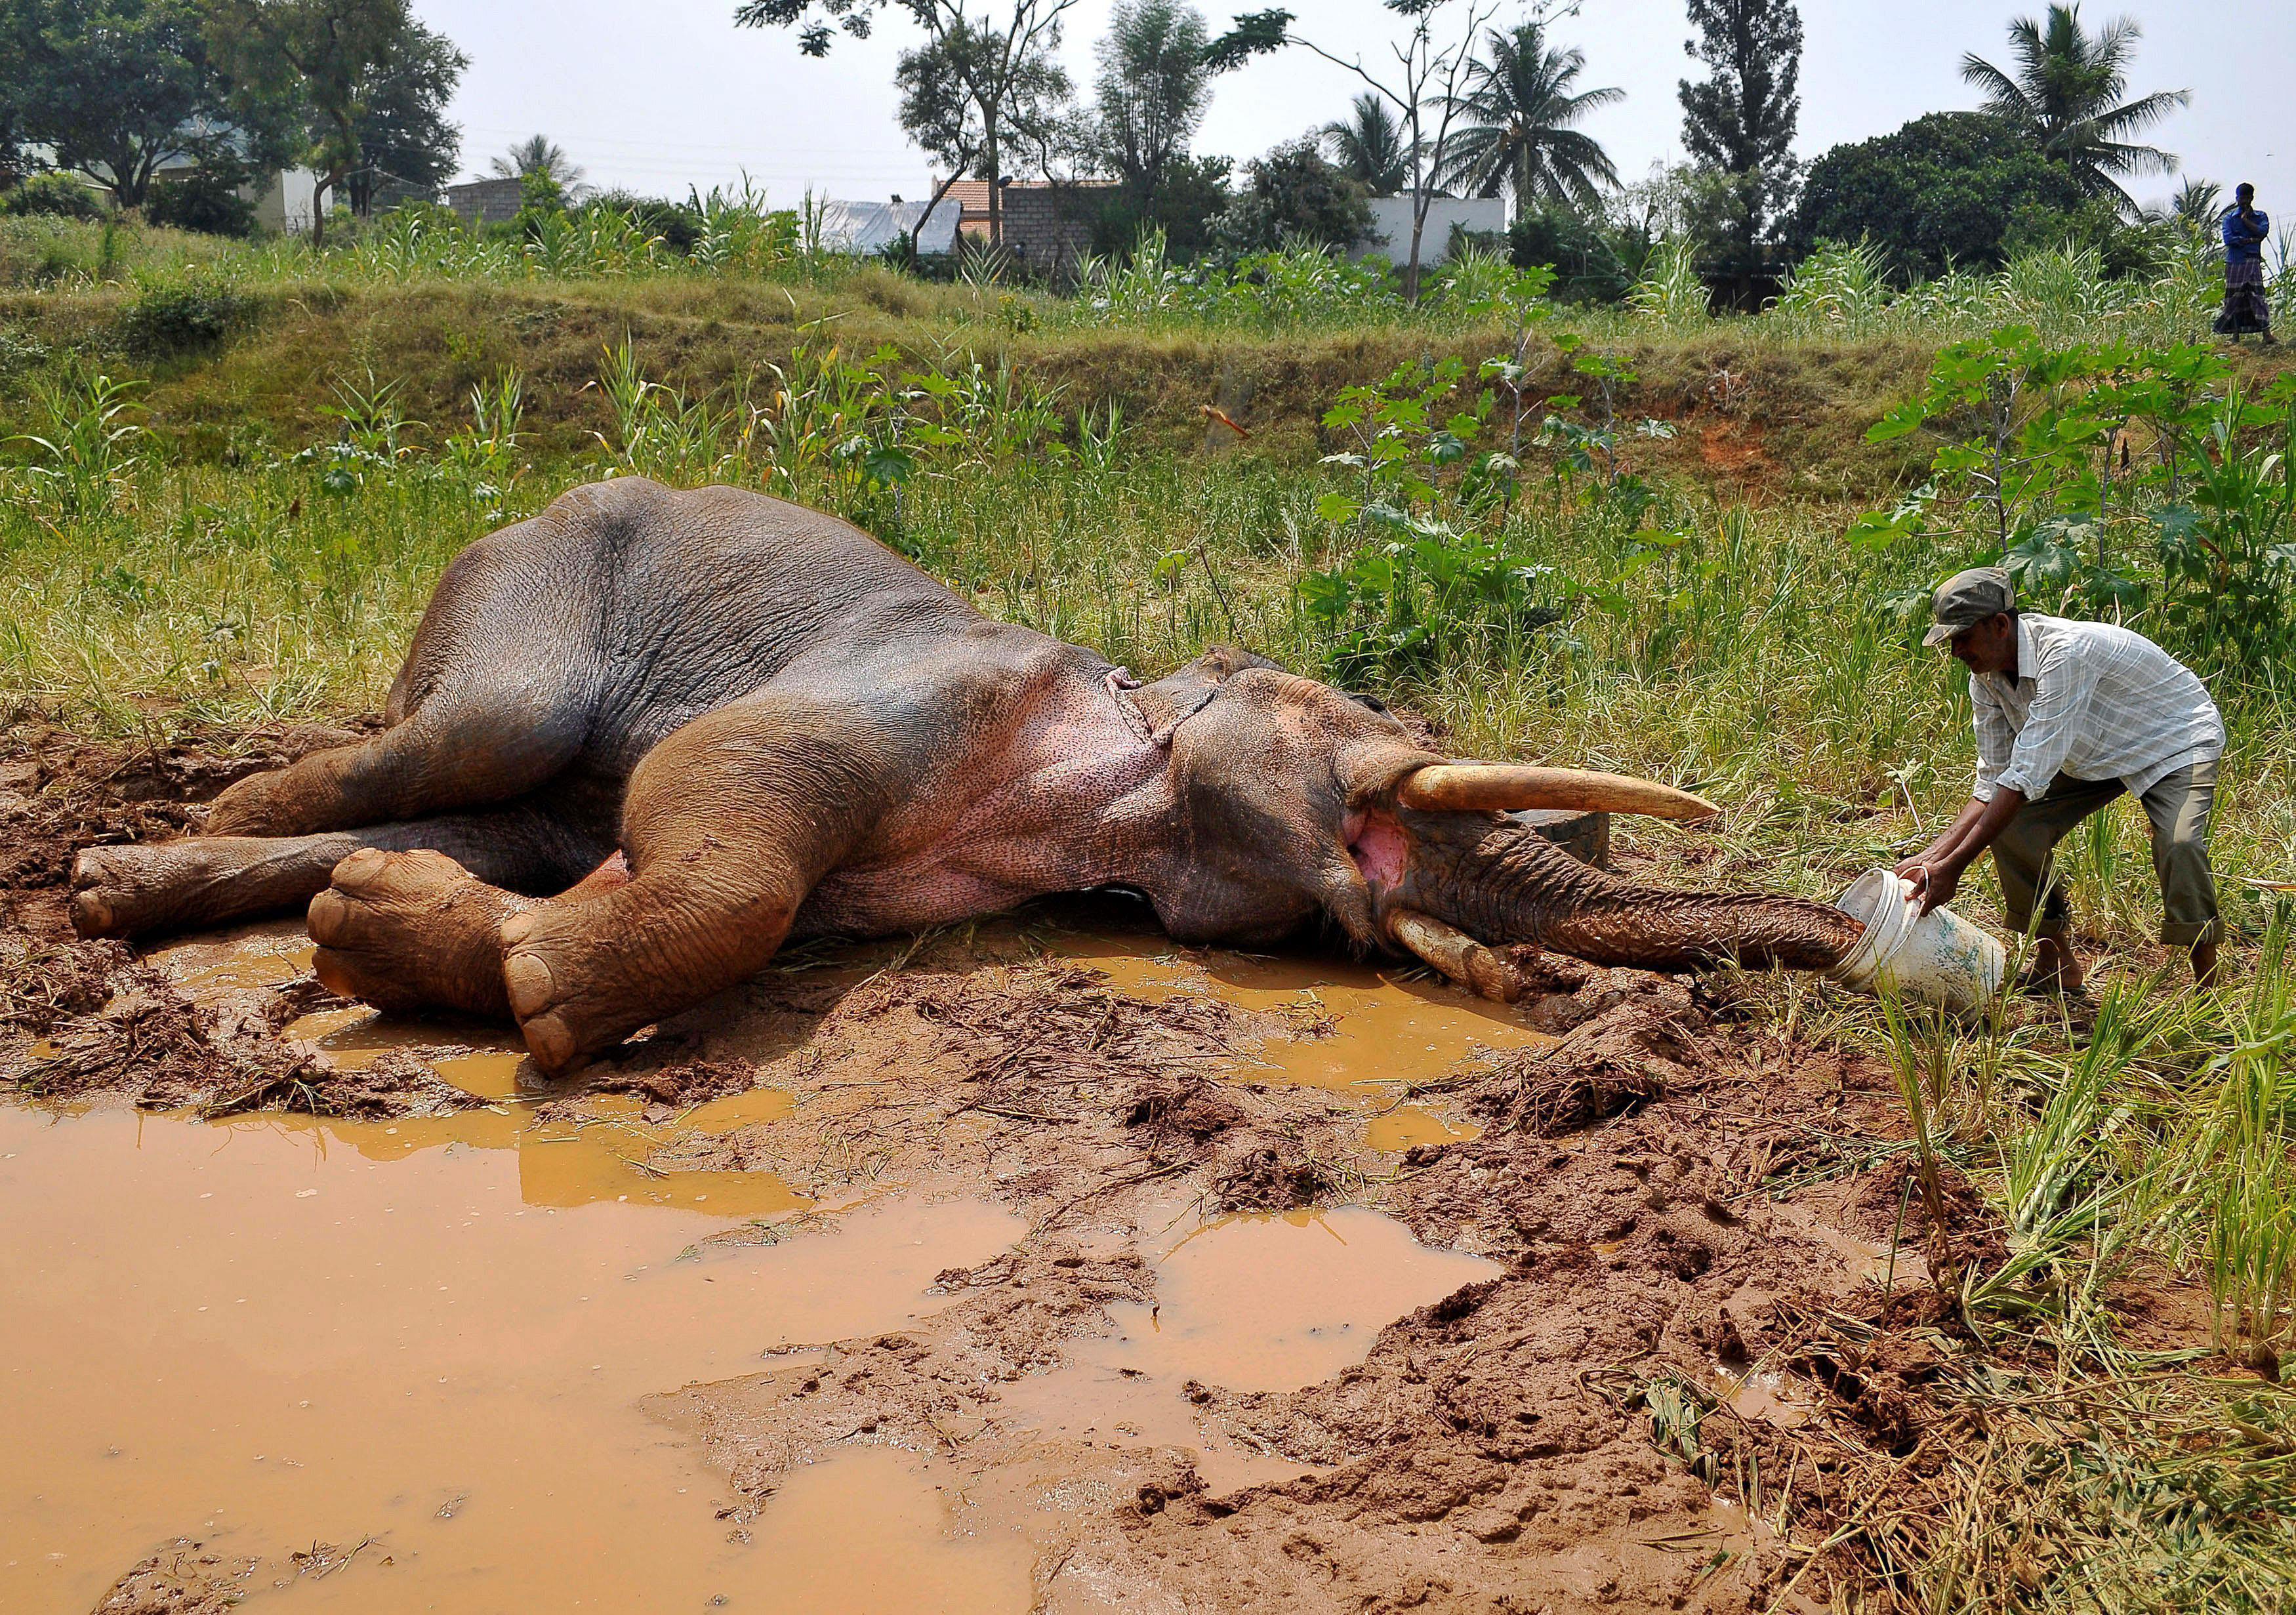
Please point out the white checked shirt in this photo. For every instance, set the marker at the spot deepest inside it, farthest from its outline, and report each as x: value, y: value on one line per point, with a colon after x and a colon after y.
x: 2093, y: 701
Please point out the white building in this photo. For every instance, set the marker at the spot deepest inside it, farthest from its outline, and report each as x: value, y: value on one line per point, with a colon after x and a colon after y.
x: 1390, y: 219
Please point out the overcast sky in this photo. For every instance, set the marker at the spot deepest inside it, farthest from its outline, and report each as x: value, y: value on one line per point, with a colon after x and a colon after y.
x: 660, y: 95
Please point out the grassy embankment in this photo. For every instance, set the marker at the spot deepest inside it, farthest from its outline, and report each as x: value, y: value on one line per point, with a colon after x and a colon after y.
x: 1715, y: 630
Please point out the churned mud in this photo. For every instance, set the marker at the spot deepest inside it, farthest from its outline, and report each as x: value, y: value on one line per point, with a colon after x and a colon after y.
x: 1033, y: 1265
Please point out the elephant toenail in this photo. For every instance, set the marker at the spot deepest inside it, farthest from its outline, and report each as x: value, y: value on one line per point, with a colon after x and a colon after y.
x: 516, y: 930
x: 530, y: 985
x: 91, y: 916
x: 324, y: 919
x: 550, y: 1041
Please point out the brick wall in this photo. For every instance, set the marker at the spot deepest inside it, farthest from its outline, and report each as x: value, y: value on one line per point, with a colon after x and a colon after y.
x: 484, y: 201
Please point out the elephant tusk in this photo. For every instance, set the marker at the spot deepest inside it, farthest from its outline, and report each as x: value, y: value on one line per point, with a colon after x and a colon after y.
x: 1505, y: 787
x: 1457, y: 955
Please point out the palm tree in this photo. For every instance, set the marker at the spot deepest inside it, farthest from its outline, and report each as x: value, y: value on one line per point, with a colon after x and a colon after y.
x: 2067, y: 91
x: 2197, y: 203
x: 1519, y: 109
x: 540, y: 154
x: 1369, y: 147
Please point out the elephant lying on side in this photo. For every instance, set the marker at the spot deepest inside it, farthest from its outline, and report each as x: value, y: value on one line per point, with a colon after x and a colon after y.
x: 782, y: 728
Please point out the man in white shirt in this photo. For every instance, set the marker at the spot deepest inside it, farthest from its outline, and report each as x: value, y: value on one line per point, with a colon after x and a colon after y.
x: 2070, y: 714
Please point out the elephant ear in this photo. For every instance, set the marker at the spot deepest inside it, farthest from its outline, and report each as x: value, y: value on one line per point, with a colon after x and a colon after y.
x: 1183, y: 692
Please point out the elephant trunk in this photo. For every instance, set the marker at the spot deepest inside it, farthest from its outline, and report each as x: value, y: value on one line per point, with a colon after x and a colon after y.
x: 1501, y: 883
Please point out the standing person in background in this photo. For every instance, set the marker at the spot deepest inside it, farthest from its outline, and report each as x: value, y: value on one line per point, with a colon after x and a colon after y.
x: 2068, y: 716
x: 2246, y: 231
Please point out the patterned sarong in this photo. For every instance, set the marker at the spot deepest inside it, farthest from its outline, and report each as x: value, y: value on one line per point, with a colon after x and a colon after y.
x: 2245, y: 309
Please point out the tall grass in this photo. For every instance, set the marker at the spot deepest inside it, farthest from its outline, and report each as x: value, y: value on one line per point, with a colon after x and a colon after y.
x: 2065, y: 292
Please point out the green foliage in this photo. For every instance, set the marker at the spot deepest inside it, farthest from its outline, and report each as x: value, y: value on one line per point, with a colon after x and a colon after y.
x: 1740, y: 122
x: 206, y: 202
x: 52, y: 196
x: 1293, y: 194
x: 89, y: 449
x: 1149, y: 95
x: 1938, y: 195
x: 1368, y: 146
x: 2065, y: 96
x: 404, y: 140
x: 116, y: 89
x: 175, y: 316
x: 312, y: 69
x: 1189, y: 197
x: 2038, y: 470
x: 1587, y: 266
x: 1515, y: 119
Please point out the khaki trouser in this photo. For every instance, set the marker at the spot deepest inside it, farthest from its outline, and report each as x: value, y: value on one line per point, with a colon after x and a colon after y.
x: 2178, y: 805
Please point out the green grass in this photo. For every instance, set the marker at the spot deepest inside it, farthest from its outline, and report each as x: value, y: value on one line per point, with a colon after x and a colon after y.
x: 1721, y: 634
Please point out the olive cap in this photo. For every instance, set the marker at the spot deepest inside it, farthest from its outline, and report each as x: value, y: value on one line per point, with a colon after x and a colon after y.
x: 1969, y: 598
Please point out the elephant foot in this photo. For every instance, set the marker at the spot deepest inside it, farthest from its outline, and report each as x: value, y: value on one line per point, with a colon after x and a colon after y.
x: 413, y: 931
x: 572, y: 995
x: 137, y: 890
x: 124, y: 891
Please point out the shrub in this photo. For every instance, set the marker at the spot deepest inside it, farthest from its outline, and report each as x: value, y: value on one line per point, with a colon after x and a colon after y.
x: 180, y: 316
x: 1295, y: 194
x: 1587, y: 268
x: 208, y: 203
x: 55, y: 195
x: 677, y: 225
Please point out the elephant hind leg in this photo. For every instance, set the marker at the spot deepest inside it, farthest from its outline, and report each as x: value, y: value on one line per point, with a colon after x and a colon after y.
x: 145, y: 889
x: 468, y: 750
x: 729, y: 825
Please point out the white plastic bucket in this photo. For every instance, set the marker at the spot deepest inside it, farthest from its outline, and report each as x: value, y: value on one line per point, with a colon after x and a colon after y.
x: 1935, y: 958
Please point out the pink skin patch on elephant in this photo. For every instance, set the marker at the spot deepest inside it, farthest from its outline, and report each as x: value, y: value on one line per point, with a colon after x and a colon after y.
x: 1381, y: 851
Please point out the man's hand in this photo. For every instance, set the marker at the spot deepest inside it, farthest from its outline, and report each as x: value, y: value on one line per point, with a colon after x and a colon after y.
x: 1934, y: 883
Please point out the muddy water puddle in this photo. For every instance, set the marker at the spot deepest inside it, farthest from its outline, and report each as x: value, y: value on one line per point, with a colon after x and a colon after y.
x: 1268, y: 1301
x: 435, y: 1332
x: 261, y: 1338
x: 1388, y: 1026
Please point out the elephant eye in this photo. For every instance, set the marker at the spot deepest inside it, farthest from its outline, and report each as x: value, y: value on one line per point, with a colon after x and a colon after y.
x: 1373, y: 702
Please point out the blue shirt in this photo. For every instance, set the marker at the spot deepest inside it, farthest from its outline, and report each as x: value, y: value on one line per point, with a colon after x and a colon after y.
x: 2244, y: 238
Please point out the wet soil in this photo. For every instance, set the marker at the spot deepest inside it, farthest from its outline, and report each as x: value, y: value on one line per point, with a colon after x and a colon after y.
x: 1256, y: 1283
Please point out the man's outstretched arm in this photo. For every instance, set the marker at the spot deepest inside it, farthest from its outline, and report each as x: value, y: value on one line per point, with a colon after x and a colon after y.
x: 1936, y: 872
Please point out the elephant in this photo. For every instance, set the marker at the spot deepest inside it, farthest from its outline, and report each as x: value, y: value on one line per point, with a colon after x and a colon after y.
x: 646, y: 736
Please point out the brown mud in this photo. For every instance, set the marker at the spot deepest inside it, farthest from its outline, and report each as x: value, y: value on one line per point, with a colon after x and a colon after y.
x: 1253, y: 1283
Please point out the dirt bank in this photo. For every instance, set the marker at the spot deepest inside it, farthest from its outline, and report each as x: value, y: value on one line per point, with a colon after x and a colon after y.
x: 1701, y: 1342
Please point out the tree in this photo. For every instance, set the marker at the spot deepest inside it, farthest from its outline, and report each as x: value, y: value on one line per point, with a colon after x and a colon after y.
x: 116, y: 88
x: 1151, y: 91
x: 539, y: 154
x: 1367, y: 146
x: 1294, y: 193
x: 325, y: 60
x: 2198, y: 202
x: 15, y: 43
x: 1515, y: 125
x: 403, y: 132
x: 942, y: 112
x: 1000, y: 69
x: 1423, y: 87
x: 2067, y: 92
x: 1940, y: 191
x: 1740, y: 122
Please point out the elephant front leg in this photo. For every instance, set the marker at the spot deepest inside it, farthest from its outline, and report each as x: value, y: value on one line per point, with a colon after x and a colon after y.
x: 728, y: 825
